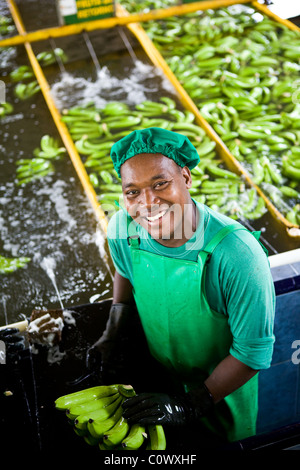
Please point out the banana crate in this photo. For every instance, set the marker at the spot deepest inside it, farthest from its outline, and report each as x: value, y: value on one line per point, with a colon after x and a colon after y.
x: 235, y: 66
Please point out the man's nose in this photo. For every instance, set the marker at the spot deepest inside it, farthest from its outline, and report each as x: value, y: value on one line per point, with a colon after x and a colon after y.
x: 148, y: 198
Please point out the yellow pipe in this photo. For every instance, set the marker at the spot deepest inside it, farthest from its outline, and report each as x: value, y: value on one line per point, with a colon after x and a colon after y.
x: 78, y: 28
x: 264, y: 9
x: 64, y: 133
x: 231, y: 162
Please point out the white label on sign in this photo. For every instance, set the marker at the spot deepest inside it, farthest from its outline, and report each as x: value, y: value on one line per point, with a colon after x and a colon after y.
x: 67, y: 7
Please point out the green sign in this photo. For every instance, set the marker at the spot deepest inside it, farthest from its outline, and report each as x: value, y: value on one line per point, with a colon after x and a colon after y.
x: 77, y: 11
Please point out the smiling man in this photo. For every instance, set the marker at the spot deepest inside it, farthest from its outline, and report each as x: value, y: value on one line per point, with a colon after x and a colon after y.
x: 202, y: 287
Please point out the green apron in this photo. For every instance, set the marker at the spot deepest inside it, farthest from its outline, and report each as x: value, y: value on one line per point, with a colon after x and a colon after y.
x: 184, y: 333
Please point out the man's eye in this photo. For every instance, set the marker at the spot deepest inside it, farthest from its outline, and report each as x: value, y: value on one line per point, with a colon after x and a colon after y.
x: 132, y: 192
x: 160, y: 184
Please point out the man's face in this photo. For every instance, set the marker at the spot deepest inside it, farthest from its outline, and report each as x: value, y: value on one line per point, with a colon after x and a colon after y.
x: 156, y: 196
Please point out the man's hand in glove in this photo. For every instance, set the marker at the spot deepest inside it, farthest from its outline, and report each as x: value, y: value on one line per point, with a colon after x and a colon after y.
x: 101, y: 355
x: 14, y: 343
x: 161, y: 408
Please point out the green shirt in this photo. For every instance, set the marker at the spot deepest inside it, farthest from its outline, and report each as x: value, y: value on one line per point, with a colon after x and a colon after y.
x: 238, y: 282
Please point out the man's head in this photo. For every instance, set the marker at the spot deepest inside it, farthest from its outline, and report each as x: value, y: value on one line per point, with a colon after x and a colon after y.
x: 155, y: 140
x: 154, y: 165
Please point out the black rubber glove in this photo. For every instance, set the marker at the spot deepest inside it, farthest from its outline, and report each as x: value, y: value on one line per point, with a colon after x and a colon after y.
x: 14, y: 343
x: 102, y: 354
x: 161, y: 408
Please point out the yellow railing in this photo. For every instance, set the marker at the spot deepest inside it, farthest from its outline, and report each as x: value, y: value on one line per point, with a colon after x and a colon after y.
x: 62, y: 129
x: 132, y: 21
x: 122, y: 20
x: 224, y: 152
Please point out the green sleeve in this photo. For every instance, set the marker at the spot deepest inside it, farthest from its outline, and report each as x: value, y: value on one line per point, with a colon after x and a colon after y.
x: 249, y: 297
x: 118, y: 246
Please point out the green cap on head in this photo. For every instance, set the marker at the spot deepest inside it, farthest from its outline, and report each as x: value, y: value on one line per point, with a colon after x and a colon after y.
x: 155, y: 140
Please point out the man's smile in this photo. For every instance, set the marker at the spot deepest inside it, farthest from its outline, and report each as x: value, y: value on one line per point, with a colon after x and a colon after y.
x: 156, y: 217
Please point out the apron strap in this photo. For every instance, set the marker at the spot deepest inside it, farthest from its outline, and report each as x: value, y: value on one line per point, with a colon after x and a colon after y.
x: 133, y: 238
x: 219, y: 237
x: 223, y: 233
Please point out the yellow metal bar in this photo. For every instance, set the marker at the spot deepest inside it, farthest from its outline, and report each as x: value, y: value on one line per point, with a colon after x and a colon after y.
x: 63, y: 131
x: 121, y: 20
x: 264, y: 9
x: 224, y: 152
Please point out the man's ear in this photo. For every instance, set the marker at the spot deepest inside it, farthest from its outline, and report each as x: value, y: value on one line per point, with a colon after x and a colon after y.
x: 186, y: 173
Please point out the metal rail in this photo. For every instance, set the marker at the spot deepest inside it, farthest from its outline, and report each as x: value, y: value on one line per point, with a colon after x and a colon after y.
x: 68, y: 30
x: 62, y: 128
x: 228, y: 158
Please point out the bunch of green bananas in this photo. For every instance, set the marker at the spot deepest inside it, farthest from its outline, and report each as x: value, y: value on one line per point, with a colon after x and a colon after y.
x: 146, y: 5
x: 9, y: 265
x: 244, y: 81
x: 6, y: 25
x: 23, y: 72
x: 96, y: 415
x: 29, y: 169
x: 97, y: 130
x: 185, y: 34
x: 50, y: 57
x: 26, y: 90
x: 6, y: 108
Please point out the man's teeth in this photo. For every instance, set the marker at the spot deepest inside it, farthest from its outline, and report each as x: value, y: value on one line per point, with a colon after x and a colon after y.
x: 156, y: 217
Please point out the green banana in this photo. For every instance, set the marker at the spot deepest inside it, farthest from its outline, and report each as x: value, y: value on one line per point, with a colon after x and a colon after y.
x: 115, y: 108
x: 258, y: 172
x: 289, y: 192
x: 101, y: 413
x: 135, y: 437
x: 24, y: 91
x: 76, y: 398
x: 102, y: 446
x: 274, y: 174
x: 249, y: 204
x: 6, y: 108
x: 50, y: 148
x: 216, y: 171
x: 83, y: 113
x: 206, y: 148
x: 21, y: 73
x: 48, y: 58
x: 289, y: 170
x: 151, y: 107
x: 34, y: 176
x: 33, y: 168
x: 106, y: 177
x: 95, y: 404
x: 293, y: 215
x: 94, y: 179
x: 9, y: 265
x: 97, y: 428
x: 111, y: 187
x: 258, y: 211
x: 187, y: 126
x: 157, y: 438
x: 90, y: 440
x: 117, y: 433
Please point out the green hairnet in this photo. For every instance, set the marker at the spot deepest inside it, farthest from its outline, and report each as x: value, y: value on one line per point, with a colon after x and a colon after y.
x: 155, y: 140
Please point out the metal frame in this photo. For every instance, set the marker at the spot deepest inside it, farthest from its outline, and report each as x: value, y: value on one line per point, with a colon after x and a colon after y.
x: 133, y: 24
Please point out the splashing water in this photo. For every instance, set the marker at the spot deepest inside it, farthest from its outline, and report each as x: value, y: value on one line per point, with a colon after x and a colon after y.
x: 132, y: 89
x: 49, y: 264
